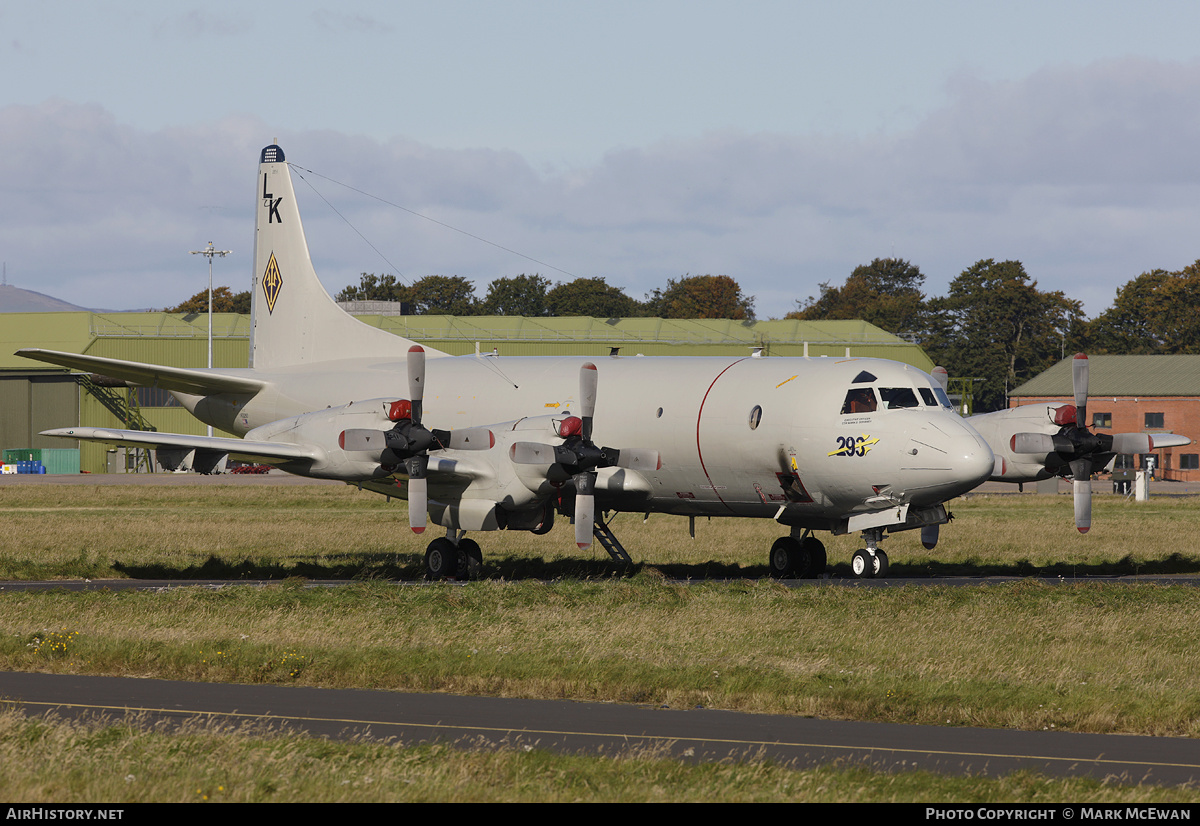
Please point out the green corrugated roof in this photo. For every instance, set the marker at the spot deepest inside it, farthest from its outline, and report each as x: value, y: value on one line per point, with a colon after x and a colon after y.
x: 1121, y: 376
x: 582, y: 328
x: 78, y: 332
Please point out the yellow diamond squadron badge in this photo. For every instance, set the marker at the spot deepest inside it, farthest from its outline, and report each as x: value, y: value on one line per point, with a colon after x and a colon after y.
x: 272, y: 283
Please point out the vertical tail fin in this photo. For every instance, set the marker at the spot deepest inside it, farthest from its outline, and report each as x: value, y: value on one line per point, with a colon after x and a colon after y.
x: 293, y: 319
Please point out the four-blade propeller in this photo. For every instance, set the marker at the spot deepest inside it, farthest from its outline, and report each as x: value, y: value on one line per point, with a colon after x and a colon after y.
x: 1080, y: 449
x: 410, y: 441
x: 579, y: 456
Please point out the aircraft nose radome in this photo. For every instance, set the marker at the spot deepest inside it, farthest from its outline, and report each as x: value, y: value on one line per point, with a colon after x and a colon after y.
x: 946, y: 458
x: 974, y: 461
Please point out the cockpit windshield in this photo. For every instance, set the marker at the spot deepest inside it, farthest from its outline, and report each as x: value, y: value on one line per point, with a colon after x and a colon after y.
x: 871, y: 399
x: 860, y: 400
x: 943, y: 398
x: 897, y: 397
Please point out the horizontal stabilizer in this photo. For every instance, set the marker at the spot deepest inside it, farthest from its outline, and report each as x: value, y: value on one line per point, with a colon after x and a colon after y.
x: 197, y: 382
x: 266, y: 452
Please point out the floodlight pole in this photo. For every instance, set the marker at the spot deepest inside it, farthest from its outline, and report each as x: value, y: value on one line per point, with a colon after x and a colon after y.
x: 208, y: 253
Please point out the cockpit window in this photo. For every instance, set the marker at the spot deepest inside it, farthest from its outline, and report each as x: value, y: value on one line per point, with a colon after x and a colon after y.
x: 927, y: 396
x: 897, y: 397
x: 943, y: 398
x: 860, y: 400
x: 862, y: 377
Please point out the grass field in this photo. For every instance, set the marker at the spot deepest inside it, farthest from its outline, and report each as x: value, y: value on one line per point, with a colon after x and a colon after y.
x: 550, y: 622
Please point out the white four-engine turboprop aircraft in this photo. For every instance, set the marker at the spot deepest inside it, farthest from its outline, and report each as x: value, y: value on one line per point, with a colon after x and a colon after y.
x: 485, y: 443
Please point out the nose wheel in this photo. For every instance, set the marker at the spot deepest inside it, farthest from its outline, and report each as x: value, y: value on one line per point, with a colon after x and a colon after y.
x: 868, y: 563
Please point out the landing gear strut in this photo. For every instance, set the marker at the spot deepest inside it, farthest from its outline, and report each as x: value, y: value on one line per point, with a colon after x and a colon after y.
x: 795, y: 557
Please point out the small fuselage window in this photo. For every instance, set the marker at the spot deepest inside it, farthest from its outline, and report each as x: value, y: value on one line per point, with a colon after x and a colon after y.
x: 860, y: 400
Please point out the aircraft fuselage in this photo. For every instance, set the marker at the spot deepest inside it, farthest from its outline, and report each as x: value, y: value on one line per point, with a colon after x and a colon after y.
x: 736, y: 436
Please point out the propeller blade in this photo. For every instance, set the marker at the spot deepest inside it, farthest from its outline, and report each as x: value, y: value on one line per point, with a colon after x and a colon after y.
x: 358, y: 438
x: 1158, y: 440
x: 418, y: 493
x: 1132, y: 443
x: 585, y: 509
x: 1082, y: 471
x: 531, y: 453
x: 929, y: 536
x: 1079, y: 381
x: 416, y: 379
x: 1032, y: 443
x: 1083, y: 505
x: 470, y: 438
x: 588, y: 380
x: 634, y: 458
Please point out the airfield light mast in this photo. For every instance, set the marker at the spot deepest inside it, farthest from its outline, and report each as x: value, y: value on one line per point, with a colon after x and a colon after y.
x: 208, y: 253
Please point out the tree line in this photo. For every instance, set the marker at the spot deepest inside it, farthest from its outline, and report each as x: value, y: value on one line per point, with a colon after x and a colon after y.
x: 994, y: 325
x: 694, y: 296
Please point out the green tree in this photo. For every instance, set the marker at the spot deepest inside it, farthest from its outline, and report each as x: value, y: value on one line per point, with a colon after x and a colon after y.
x: 886, y: 293
x: 523, y: 295
x: 375, y: 288
x: 590, y: 297
x: 1154, y: 313
x: 444, y: 295
x: 224, y: 301
x: 995, y: 324
x: 701, y: 296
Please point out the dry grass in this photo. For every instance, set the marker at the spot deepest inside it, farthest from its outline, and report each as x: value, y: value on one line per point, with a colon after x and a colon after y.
x: 71, y: 762
x: 338, y: 532
x: 551, y: 622
x: 1103, y: 658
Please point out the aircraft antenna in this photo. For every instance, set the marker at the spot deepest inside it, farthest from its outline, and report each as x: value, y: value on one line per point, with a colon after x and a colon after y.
x: 366, y: 240
x: 426, y: 217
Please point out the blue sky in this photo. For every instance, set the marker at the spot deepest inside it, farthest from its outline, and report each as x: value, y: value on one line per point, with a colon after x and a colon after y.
x: 781, y: 143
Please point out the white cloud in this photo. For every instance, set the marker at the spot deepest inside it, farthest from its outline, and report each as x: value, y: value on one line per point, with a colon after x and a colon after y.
x: 1084, y: 174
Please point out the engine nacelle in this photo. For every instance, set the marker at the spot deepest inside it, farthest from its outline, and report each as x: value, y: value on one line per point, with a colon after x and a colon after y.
x: 322, y: 429
x: 999, y: 428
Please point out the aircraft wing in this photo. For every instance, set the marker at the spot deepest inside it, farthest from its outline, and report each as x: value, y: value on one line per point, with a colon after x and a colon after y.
x: 266, y: 452
x: 182, y: 379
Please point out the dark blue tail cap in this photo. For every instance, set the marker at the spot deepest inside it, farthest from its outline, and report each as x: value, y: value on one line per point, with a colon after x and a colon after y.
x: 272, y: 154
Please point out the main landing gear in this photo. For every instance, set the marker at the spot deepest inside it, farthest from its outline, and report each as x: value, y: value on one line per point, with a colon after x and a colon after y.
x: 453, y: 556
x: 803, y: 557
x: 795, y: 557
x: 456, y: 557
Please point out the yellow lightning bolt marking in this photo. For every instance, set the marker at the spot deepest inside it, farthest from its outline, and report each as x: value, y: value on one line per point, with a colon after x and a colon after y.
x: 865, y: 445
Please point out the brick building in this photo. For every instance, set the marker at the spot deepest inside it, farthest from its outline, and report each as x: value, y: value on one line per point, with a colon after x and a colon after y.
x: 1133, y: 394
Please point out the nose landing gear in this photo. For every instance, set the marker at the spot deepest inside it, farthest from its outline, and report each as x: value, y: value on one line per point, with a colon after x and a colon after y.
x: 870, y: 562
